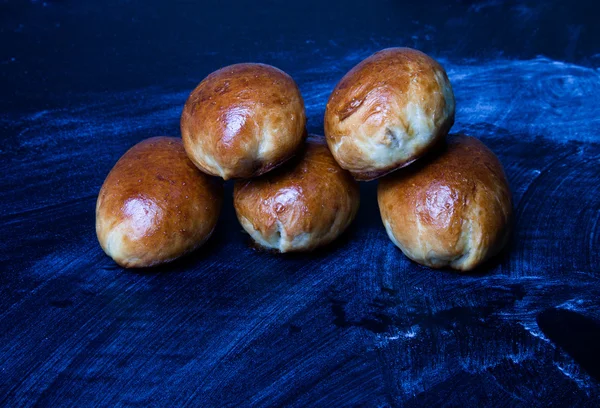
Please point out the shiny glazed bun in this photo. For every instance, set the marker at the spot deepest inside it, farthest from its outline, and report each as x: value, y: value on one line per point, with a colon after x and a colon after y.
x: 451, y: 208
x: 305, y: 204
x: 243, y: 120
x: 388, y: 111
x: 155, y: 205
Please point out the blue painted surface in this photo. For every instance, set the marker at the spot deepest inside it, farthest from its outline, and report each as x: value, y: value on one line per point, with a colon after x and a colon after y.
x: 353, y: 324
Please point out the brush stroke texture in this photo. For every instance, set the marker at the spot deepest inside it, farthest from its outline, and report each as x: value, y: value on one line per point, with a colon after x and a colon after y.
x: 354, y: 324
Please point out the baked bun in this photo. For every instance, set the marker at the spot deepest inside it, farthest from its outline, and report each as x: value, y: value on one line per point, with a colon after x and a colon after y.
x: 155, y: 205
x: 243, y: 120
x: 304, y: 204
x: 451, y: 208
x: 388, y: 111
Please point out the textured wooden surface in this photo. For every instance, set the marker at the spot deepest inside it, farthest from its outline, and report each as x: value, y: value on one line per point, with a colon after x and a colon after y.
x: 354, y: 324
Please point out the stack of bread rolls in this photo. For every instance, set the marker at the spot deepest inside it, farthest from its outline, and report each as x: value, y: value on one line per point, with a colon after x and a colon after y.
x: 444, y: 203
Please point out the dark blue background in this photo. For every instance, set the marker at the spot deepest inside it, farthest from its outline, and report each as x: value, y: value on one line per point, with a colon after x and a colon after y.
x: 353, y: 324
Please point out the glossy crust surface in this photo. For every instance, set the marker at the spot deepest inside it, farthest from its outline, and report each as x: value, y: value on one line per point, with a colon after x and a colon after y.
x: 388, y: 111
x: 155, y: 205
x: 243, y: 120
x: 452, y: 209
x: 305, y: 204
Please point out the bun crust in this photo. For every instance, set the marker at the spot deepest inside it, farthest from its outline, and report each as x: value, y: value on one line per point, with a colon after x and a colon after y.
x: 452, y: 209
x: 388, y: 111
x: 243, y: 120
x: 305, y: 204
x: 155, y: 205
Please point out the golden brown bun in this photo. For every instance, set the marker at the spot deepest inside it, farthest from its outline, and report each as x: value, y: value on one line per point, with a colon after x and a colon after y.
x: 388, y: 111
x: 243, y: 120
x: 451, y: 208
x: 305, y: 204
x: 155, y: 205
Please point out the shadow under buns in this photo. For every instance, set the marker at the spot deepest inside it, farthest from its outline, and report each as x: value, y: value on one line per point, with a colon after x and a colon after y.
x: 388, y: 111
x: 306, y: 203
x: 155, y: 205
x: 243, y: 120
x: 452, y: 208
